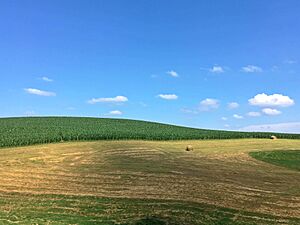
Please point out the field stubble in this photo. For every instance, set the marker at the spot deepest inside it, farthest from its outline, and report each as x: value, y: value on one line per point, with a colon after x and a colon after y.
x: 218, y: 173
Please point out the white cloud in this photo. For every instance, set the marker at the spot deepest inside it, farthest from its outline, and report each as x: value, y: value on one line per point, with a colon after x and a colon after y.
x: 47, y: 79
x: 117, y: 99
x: 115, y: 113
x: 254, y: 114
x: 236, y: 116
x: 209, y: 104
x: 217, y: 69
x: 224, y: 118
x: 34, y: 91
x: 251, y: 69
x: 172, y: 73
x: 293, y: 127
x: 168, y: 96
x: 233, y: 105
x: 271, y: 112
x: 274, y: 100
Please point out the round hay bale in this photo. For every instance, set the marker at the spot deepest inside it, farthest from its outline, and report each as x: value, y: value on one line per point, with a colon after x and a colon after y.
x: 273, y: 137
x: 189, y: 148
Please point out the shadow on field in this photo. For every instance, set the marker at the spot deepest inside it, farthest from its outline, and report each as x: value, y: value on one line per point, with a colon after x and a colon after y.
x: 153, y: 221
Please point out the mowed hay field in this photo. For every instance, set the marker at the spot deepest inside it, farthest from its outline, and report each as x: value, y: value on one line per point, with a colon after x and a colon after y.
x: 148, y: 182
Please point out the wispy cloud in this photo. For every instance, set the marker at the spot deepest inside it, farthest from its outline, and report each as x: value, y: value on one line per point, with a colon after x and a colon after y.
x: 209, y: 104
x: 217, y: 69
x: 34, y: 91
x: 224, y: 118
x: 143, y: 104
x: 254, y: 114
x: 172, y: 73
x: 30, y: 113
x: 47, y: 79
x: 236, y: 116
x: 117, y: 99
x: 168, y: 96
x: 115, y: 113
x: 275, y: 68
x: 271, y: 112
x: 290, y: 61
x: 252, y: 69
x: 293, y: 127
x: 275, y: 100
x: 233, y: 105
x: 189, y: 111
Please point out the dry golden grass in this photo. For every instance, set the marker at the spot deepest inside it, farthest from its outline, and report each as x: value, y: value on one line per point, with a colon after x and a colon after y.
x: 218, y: 172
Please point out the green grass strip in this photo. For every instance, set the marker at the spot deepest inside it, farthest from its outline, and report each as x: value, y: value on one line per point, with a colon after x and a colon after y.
x: 62, y: 209
x: 289, y: 159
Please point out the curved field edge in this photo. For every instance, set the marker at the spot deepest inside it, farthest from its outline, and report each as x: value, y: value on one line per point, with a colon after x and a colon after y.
x: 65, y: 209
x: 40, y: 130
x: 286, y: 158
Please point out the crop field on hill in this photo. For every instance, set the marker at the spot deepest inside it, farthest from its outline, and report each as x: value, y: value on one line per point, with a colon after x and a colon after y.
x: 135, y: 181
x: 28, y: 131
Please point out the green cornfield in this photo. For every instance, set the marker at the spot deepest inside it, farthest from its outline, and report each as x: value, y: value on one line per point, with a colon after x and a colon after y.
x: 39, y: 130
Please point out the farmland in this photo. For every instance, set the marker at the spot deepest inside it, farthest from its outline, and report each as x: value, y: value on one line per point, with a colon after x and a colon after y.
x: 288, y: 159
x: 149, y: 182
x: 39, y: 130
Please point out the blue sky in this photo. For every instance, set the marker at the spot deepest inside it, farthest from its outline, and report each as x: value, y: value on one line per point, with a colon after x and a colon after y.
x: 209, y: 64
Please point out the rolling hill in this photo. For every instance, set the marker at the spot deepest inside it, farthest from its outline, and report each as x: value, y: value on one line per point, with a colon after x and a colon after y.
x: 39, y: 130
x: 139, y: 179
